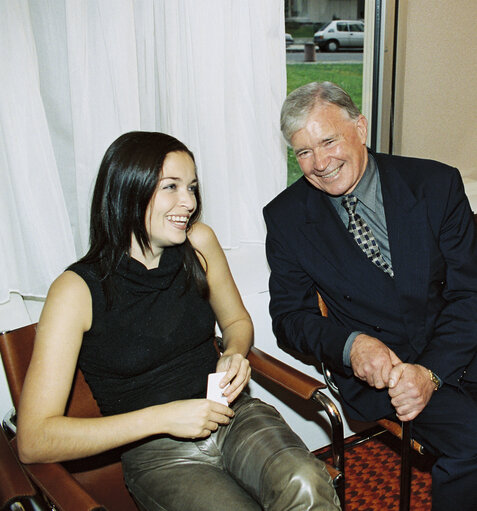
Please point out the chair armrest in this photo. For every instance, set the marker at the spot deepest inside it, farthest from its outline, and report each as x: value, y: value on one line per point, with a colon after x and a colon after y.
x: 284, y: 375
x: 15, y: 485
x: 59, y: 487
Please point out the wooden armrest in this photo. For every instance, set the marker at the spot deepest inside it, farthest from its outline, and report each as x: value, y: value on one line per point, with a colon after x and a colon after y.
x: 395, y: 429
x: 284, y: 375
x: 15, y: 483
x: 60, y: 487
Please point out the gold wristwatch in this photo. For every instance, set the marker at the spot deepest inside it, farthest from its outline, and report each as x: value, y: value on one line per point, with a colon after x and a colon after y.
x: 435, y: 380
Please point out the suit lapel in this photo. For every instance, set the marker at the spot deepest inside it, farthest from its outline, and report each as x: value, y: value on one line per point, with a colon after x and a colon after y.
x: 336, y: 247
x: 407, y: 233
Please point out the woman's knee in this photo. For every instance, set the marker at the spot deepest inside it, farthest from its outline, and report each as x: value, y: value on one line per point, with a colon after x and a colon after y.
x: 296, y: 479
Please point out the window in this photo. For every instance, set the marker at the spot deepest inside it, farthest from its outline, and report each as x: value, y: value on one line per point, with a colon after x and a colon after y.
x: 338, y: 53
x: 356, y: 27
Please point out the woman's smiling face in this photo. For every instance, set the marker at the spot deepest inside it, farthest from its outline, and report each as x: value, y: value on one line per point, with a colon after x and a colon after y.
x: 173, y: 202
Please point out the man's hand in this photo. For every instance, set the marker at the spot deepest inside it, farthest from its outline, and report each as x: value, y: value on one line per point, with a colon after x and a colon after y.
x: 410, y: 389
x: 372, y: 361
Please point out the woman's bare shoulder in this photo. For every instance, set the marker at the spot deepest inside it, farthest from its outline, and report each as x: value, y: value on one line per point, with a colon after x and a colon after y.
x: 69, y: 282
x: 202, y: 237
x: 69, y: 297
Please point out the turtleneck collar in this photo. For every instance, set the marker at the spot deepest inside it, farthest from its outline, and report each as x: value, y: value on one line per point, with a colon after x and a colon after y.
x: 161, y: 277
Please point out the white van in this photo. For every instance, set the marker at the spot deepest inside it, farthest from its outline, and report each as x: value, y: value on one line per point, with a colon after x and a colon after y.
x: 340, y: 34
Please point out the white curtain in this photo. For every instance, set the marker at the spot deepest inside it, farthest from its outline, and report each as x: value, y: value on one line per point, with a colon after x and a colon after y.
x: 222, y: 80
x: 75, y: 74
x: 35, y: 234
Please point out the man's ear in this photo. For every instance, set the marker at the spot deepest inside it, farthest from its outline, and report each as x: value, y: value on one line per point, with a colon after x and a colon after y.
x: 362, y: 125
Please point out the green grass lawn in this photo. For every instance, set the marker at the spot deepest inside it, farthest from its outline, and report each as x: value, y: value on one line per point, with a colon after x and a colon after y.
x: 347, y: 76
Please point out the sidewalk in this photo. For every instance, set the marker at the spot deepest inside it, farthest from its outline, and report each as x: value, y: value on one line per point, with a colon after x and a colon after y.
x: 296, y: 54
x: 299, y: 45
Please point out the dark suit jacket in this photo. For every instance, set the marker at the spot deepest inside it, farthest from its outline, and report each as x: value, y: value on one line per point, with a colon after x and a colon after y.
x: 427, y: 314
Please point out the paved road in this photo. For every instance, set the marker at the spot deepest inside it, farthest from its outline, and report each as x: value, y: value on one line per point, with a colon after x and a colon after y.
x: 339, y: 56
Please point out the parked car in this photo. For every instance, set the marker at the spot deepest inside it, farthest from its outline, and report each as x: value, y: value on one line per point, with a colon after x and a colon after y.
x: 340, y: 34
x: 289, y: 39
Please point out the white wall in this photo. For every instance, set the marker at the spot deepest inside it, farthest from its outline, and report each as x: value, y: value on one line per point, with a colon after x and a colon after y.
x: 435, y: 87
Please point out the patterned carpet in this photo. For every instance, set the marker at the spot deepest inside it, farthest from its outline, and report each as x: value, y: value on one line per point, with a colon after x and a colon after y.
x: 372, y: 476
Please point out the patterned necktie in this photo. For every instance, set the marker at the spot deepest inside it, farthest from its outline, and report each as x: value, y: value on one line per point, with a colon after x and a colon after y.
x: 363, y: 235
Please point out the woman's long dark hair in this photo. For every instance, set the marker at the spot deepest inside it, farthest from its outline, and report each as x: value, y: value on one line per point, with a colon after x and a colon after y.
x: 126, y: 182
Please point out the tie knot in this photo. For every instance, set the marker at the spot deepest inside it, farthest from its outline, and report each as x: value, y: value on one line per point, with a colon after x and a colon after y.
x: 349, y: 202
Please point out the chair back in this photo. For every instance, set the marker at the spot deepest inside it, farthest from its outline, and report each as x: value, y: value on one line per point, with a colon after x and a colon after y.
x: 100, y: 475
x: 16, y: 348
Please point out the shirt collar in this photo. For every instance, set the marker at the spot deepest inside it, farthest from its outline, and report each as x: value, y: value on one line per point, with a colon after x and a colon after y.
x: 366, y: 189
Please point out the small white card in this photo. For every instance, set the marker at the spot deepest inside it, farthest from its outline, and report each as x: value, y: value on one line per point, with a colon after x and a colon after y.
x: 214, y: 392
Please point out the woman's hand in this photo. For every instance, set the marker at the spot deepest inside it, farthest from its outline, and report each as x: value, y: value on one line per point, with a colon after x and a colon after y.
x: 194, y: 418
x: 238, y: 374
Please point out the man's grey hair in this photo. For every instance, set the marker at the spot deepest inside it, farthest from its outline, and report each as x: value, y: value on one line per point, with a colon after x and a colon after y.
x: 301, y: 101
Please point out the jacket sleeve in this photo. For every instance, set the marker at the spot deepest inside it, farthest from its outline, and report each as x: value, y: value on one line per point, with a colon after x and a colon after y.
x: 296, y: 319
x: 454, y: 340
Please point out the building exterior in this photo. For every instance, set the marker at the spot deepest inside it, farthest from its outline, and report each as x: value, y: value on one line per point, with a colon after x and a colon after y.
x: 321, y: 11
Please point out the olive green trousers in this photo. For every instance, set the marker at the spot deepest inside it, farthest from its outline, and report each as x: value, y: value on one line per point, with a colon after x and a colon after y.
x: 254, y: 463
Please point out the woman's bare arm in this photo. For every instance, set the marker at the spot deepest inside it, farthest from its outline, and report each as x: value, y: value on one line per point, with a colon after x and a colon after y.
x: 232, y: 317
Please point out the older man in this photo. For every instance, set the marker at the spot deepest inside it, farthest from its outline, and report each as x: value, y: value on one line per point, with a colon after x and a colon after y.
x: 390, y: 244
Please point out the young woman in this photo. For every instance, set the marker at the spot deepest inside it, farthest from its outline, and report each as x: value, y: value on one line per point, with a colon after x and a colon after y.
x: 138, y: 313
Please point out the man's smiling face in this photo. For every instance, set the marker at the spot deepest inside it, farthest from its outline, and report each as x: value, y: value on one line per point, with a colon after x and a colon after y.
x: 331, y: 149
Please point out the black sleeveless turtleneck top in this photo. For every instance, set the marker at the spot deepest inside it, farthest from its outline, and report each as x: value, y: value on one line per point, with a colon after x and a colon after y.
x: 155, y: 343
